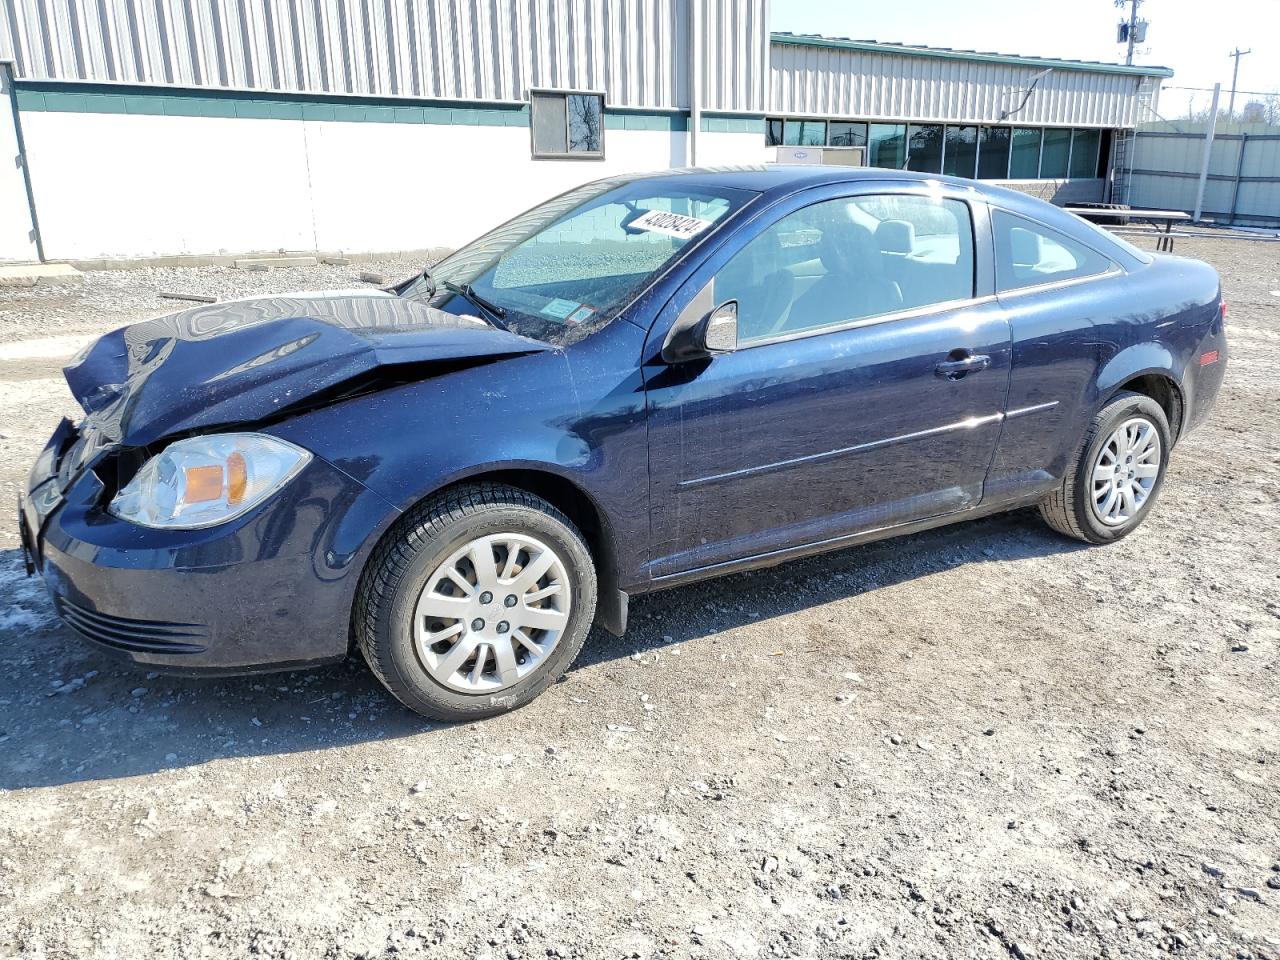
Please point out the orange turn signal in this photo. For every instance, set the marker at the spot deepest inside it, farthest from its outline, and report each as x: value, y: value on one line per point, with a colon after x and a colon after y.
x: 237, y: 478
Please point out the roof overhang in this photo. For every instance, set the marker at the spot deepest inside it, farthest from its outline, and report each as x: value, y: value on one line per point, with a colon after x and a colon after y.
x: 969, y: 56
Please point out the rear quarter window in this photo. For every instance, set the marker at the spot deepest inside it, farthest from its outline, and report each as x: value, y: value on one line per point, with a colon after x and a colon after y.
x: 1029, y: 254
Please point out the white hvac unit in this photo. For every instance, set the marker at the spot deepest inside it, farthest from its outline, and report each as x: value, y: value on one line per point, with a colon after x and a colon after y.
x: 840, y: 156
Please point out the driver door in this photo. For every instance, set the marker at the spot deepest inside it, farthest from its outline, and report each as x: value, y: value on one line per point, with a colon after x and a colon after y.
x: 867, y: 389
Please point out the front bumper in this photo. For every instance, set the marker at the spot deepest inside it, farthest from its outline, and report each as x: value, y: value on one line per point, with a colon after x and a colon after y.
x: 272, y: 590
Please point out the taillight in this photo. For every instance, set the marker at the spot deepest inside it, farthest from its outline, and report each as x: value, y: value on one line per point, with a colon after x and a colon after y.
x: 1222, y: 305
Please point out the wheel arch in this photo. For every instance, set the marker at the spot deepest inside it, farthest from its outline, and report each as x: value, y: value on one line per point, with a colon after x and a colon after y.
x: 1164, y: 390
x: 1148, y: 369
x: 579, y: 506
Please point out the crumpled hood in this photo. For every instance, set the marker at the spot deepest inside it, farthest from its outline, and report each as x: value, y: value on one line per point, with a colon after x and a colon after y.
x: 246, y: 361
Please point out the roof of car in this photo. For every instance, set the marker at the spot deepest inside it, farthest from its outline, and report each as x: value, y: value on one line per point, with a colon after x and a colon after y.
x: 784, y: 178
x: 775, y: 181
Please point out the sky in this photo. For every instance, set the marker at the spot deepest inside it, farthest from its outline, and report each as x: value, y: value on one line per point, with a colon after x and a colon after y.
x: 1192, y: 37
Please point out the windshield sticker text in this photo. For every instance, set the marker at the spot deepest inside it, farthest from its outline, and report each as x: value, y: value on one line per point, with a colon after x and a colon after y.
x: 560, y: 308
x: 672, y: 224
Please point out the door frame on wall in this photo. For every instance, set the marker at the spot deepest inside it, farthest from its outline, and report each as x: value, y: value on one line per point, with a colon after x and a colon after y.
x: 17, y: 189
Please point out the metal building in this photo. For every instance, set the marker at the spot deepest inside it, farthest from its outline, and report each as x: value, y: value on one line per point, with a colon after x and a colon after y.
x: 205, y: 127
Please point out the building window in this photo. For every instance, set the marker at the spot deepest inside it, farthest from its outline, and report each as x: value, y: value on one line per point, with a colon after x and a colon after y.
x: 804, y: 133
x: 962, y: 152
x: 1055, y: 154
x: 843, y: 134
x: 567, y: 124
x: 924, y: 147
x: 993, y: 153
x: 773, y: 132
x: 1024, y: 159
x: 887, y: 145
x: 1084, y: 153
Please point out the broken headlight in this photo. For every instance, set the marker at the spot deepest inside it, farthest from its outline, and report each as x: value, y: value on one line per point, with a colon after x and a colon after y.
x: 202, y: 481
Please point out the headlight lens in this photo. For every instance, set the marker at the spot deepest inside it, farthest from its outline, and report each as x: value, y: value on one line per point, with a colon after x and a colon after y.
x: 203, y: 481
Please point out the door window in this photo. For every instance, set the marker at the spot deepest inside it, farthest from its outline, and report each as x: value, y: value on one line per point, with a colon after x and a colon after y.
x: 1029, y: 254
x: 849, y: 259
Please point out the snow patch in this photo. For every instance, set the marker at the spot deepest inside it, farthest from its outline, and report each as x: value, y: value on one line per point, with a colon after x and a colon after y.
x: 24, y: 604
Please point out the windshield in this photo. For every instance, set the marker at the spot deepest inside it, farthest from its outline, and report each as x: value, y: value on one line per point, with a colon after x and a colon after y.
x: 566, y: 268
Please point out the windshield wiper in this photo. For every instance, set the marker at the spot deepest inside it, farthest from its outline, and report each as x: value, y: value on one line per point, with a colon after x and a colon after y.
x: 430, y: 281
x: 493, y: 312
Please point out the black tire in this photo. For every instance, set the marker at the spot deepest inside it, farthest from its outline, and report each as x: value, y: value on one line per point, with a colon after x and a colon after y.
x: 397, y: 573
x: 1069, y: 509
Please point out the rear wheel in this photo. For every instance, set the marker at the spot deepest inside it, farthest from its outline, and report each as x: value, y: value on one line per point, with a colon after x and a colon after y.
x: 1116, y: 474
x: 476, y: 602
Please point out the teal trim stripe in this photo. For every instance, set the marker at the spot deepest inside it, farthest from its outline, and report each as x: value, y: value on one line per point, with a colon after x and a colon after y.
x: 645, y: 120
x: 726, y: 123
x: 47, y: 97
x: 159, y: 101
x: 972, y: 56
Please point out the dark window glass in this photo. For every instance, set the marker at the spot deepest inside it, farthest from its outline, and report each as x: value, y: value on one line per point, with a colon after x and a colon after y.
x: 773, y: 133
x: 1053, y: 158
x: 1084, y: 153
x: 993, y: 153
x: 585, y: 123
x: 842, y: 134
x: 1029, y: 254
x: 804, y: 133
x: 924, y: 147
x: 886, y: 145
x: 1024, y: 159
x: 844, y: 260
x: 962, y: 151
x: 567, y: 124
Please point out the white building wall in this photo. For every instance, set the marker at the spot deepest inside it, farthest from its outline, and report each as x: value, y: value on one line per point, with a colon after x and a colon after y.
x: 119, y: 185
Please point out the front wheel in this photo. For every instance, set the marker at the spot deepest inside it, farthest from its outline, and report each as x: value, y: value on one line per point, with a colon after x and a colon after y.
x: 1116, y: 473
x: 476, y: 602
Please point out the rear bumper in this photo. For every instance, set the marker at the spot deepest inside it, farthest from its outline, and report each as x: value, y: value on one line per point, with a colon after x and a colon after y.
x: 272, y: 590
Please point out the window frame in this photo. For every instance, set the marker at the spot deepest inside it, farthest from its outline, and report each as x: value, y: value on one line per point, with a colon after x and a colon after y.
x: 1115, y: 268
x: 565, y: 94
x: 982, y: 252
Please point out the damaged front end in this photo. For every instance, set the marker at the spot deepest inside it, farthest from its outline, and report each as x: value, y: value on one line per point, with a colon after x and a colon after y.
x: 153, y: 585
x: 251, y: 363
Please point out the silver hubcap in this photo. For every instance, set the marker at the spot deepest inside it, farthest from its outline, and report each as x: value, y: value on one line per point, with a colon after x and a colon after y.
x: 492, y: 613
x: 1126, y: 471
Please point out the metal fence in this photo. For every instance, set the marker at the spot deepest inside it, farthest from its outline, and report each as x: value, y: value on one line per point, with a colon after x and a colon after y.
x: 1163, y: 165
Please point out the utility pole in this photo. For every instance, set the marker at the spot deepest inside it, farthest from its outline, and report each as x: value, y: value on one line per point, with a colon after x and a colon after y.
x: 1133, y: 26
x: 1235, y: 73
x: 1208, y: 152
x: 1130, y: 33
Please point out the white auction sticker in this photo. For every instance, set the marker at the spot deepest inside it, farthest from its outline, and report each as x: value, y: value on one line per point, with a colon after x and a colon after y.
x: 672, y: 224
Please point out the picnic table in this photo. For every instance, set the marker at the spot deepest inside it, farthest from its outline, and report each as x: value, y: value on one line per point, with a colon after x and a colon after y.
x: 1164, y: 241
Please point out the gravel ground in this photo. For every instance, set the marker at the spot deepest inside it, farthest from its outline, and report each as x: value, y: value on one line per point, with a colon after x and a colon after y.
x: 980, y: 741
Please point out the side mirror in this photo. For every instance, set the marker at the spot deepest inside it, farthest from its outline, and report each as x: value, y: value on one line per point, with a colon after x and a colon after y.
x: 699, y: 333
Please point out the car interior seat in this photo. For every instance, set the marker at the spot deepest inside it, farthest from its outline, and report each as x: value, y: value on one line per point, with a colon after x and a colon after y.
x: 855, y: 284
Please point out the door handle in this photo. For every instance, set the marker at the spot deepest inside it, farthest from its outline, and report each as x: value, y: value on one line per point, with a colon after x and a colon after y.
x: 957, y: 366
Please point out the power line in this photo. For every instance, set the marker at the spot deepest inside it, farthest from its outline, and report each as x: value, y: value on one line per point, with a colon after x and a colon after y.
x: 1252, y: 93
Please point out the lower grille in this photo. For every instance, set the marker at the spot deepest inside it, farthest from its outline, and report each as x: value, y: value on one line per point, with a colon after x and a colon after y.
x: 137, y: 636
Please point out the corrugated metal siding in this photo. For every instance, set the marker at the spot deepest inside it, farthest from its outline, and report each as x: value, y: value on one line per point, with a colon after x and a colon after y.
x: 636, y: 51
x: 827, y: 81
x: 735, y: 55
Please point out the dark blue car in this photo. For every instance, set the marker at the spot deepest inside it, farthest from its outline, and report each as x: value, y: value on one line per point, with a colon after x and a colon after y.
x: 646, y: 381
